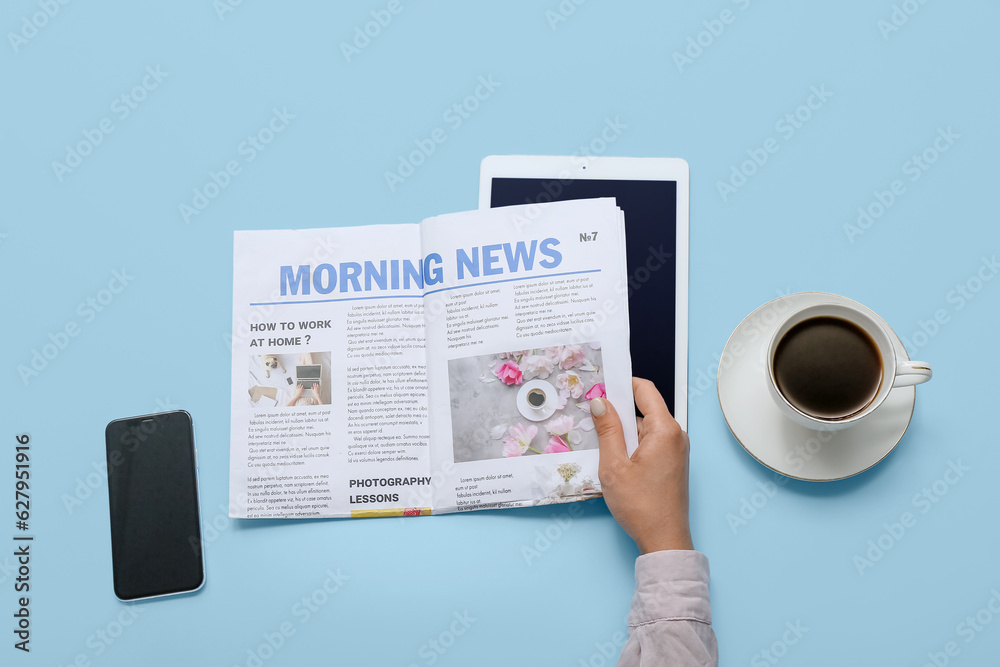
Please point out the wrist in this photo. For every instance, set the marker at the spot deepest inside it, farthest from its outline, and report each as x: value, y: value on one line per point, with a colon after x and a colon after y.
x: 679, y: 541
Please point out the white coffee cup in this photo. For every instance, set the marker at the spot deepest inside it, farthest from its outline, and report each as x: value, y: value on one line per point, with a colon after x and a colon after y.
x: 537, y: 399
x: 895, y: 372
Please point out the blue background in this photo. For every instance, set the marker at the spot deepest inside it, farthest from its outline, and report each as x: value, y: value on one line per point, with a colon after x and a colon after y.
x: 162, y: 341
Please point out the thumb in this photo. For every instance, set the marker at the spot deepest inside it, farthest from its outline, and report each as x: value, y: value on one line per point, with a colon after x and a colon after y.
x: 610, y: 436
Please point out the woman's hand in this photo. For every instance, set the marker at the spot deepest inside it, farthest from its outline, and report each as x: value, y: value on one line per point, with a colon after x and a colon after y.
x: 647, y: 493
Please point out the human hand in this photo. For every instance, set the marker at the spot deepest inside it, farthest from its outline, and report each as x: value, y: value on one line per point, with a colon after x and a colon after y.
x: 647, y: 493
x: 299, y: 389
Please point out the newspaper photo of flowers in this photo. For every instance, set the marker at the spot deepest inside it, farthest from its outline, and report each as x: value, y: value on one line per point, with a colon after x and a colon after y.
x: 490, y: 421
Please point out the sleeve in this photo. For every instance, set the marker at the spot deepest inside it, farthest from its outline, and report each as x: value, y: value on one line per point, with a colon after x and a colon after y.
x: 671, y: 620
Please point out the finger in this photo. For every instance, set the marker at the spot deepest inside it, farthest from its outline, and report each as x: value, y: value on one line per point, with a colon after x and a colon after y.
x: 656, y: 420
x: 649, y: 401
x: 610, y: 437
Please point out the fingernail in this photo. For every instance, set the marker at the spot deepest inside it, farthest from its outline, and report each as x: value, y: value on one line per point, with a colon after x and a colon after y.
x: 597, y: 407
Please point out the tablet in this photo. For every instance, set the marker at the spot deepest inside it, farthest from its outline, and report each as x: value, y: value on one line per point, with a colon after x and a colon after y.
x: 653, y: 193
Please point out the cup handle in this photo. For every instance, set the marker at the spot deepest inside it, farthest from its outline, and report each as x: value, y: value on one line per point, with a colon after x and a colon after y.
x: 909, y: 373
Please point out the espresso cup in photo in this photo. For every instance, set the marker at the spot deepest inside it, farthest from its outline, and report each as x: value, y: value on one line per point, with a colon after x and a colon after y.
x: 536, y: 399
x: 830, y: 365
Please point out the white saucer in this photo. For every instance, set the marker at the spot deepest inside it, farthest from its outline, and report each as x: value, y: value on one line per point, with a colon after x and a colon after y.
x: 546, y: 410
x: 774, y: 439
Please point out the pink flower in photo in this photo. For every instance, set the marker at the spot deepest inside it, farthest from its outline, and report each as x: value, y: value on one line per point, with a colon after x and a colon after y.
x: 510, y: 373
x: 566, y: 430
x: 511, y: 448
x: 553, y: 353
x: 570, y: 356
x: 556, y: 446
x: 560, y: 425
x: 519, y: 440
x: 571, y: 382
x: 523, y: 433
x: 597, y: 391
x: 537, y: 366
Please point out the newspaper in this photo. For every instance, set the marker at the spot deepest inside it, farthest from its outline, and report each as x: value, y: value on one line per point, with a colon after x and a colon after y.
x: 400, y: 370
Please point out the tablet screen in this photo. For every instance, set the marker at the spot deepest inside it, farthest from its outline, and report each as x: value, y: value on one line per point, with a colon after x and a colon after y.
x: 650, y: 234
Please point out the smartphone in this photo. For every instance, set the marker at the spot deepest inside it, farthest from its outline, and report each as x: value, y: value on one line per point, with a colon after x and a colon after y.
x: 153, y: 492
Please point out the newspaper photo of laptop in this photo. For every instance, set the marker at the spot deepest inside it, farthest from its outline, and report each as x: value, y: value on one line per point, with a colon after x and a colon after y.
x: 308, y: 375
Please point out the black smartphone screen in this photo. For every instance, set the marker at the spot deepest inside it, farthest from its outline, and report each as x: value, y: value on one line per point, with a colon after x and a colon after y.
x: 651, y: 245
x: 153, y: 491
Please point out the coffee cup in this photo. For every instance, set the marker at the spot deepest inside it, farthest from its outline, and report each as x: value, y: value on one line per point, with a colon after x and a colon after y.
x: 831, y: 365
x: 536, y: 399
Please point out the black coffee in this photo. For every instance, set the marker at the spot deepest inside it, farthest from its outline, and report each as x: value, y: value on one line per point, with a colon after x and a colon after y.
x: 536, y: 398
x: 828, y: 367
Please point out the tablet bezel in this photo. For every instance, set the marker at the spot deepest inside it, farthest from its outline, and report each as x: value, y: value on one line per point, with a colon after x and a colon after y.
x: 624, y: 169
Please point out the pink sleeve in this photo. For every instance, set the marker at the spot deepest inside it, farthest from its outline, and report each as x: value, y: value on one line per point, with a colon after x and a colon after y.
x: 671, y: 619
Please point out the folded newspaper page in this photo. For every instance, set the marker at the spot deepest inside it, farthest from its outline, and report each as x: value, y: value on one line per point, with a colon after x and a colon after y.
x: 400, y: 370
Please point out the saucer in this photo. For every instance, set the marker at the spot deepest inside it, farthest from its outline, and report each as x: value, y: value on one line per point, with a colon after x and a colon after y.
x: 774, y: 439
x: 546, y: 410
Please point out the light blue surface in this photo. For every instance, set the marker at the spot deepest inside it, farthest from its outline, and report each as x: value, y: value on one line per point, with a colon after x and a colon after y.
x: 161, y: 342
